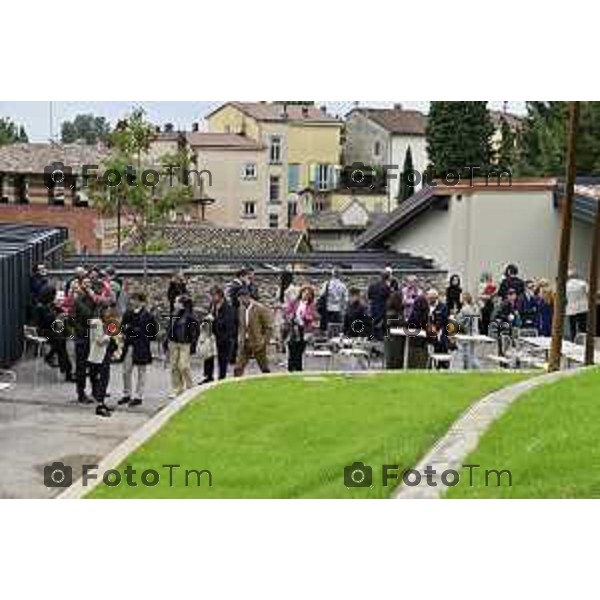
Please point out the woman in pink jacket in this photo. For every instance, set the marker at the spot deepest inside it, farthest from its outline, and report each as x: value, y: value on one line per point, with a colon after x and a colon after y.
x: 300, y: 316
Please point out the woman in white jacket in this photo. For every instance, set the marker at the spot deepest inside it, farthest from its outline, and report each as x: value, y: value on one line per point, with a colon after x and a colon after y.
x: 102, y: 332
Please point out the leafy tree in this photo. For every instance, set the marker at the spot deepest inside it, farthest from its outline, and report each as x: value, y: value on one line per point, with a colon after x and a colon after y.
x: 148, y: 205
x: 87, y: 127
x: 459, y: 135
x: 11, y: 133
x: 407, y: 187
x: 543, y: 141
x: 506, y: 156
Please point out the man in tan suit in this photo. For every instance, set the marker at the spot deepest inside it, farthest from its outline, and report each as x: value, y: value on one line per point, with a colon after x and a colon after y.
x: 255, y: 331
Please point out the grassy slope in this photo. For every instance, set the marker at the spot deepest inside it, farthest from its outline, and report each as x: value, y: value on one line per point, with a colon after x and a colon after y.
x: 291, y: 437
x: 550, y: 441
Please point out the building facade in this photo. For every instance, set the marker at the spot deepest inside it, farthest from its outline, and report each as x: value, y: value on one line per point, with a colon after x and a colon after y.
x: 380, y: 137
x: 302, y: 145
x: 470, y: 230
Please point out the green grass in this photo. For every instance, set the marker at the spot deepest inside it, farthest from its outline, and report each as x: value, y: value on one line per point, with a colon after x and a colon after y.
x: 291, y: 437
x: 549, y: 440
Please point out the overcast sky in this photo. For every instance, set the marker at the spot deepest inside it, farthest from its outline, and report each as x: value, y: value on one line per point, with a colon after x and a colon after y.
x: 35, y: 116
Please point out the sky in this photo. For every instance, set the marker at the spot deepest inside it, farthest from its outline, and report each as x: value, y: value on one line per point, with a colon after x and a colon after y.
x: 35, y: 116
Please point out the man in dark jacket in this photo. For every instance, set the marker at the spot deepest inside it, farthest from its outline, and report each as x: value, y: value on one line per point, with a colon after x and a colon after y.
x: 357, y: 322
x: 511, y: 281
x: 181, y: 342
x: 378, y: 294
x: 177, y: 287
x: 138, y: 328
x: 84, y: 309
x: 223, y: 328
x: 438, y: 318
x: 48, y: 326
x: 244, y: 279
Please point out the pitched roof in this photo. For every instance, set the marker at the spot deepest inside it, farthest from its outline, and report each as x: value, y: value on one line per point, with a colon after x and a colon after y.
x: 279, y: 111
x: 229, y: 141
x: 33, y: 158
x: 226, y: 242
x: 409, y: 209
x: 427, y: 196
x: 396, y: 120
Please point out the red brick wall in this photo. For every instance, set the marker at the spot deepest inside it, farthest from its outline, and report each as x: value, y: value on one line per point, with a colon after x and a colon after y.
x: 81, y: 221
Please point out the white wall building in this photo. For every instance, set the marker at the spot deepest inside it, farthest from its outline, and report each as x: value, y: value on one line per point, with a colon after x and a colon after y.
x: 381, y: 136
x: 469, y: 230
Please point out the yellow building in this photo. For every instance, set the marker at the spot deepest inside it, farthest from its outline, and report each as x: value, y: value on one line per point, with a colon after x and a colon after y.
x: 303, y: 149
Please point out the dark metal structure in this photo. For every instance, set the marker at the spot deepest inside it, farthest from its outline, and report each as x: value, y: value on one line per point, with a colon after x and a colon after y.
x: 351, y: 260
x: 21, y: 247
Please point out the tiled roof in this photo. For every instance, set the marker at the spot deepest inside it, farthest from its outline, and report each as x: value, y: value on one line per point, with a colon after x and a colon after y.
x: 221, y: 241
x: 278, y: 111
x: 33, y: 158
x: 397, y: 120
x: 231, y: 141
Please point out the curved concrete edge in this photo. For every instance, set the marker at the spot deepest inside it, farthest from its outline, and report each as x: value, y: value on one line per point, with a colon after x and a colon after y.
x: 450, y: 451
x: 147, y: 430
x: 155, y: 423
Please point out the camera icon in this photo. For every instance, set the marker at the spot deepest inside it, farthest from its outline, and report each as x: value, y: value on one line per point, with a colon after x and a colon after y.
x: 358, y: 475
x: 56, y: 174
x: 58, y: 475
x: 358, y: 176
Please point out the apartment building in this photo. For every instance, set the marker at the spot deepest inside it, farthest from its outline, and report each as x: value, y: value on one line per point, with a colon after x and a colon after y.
x: 302, y: 145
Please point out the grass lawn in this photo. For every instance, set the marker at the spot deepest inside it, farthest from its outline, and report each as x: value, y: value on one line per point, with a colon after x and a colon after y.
x: 291, y: 437
x: 549, y: 440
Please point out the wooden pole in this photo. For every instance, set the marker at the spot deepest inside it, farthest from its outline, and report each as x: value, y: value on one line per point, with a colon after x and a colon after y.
x: 593, y: 292
x: 558, y: 320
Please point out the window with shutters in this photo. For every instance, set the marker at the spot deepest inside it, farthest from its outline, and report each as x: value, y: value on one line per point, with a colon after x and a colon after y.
x: 249, y: 209
x: 274, y: 188
x: 249, y: 171
x: 275, y: 150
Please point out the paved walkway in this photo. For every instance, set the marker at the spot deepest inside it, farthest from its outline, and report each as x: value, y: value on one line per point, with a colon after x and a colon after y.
x: 463, y: 437
x: 41, y: 423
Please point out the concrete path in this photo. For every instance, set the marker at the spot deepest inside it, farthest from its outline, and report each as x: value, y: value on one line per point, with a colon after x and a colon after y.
x: 41, y: 423
x: 463, y: 437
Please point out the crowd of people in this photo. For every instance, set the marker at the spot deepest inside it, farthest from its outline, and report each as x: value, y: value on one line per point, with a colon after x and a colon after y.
x: 110, y: 326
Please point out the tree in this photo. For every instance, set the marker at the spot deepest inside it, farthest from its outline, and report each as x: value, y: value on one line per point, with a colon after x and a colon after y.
x: 542, y: 143
x: 88, y: 128
x: 459, y: 135
x: 407, y: 186
x: 507, y: 152
x: 11, y: 133
x: 147, y: 202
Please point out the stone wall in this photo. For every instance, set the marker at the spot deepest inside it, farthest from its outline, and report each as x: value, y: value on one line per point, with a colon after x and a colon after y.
x: 268, y: 282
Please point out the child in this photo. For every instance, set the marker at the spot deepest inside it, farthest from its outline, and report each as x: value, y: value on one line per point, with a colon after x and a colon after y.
x: 102, y: 346
x: 468, y: 319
